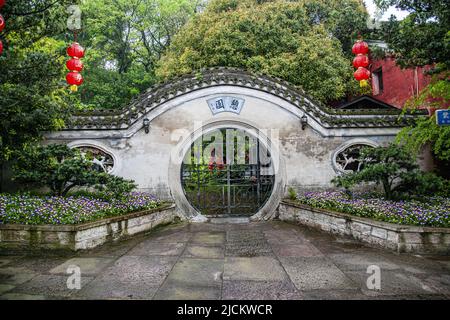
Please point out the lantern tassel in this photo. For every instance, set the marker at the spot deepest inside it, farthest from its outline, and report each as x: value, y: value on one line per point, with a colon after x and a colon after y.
x: 74, y: 88
x: 363, y: 83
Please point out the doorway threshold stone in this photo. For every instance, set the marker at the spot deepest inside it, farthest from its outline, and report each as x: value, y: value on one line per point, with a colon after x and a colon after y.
x: 230, y: 220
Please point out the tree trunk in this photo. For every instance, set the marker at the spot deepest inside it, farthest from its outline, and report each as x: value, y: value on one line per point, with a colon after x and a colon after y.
x: 387, y: 189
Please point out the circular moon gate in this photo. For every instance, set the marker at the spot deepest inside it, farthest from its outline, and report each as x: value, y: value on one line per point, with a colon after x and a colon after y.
x: 227, y: 172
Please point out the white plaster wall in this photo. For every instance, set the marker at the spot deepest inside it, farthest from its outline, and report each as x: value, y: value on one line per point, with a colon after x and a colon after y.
x: 307, y: 154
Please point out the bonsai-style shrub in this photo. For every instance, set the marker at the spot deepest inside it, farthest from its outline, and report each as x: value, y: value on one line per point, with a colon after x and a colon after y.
x: 61, y: 168
x: 396, y: 170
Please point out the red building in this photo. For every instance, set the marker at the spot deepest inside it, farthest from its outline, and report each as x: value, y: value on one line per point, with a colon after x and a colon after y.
x: 394, y: 85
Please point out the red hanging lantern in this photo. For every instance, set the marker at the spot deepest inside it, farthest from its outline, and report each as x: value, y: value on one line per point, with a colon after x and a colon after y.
x: 2, y: 3
x: 75, y: 79
x: 1, y: 47
x: 74, y: 64
x: 361, y: 74
x: 75, y: 50
x: 360, y: 47
x: 2, y: 23
x: 361, y: 60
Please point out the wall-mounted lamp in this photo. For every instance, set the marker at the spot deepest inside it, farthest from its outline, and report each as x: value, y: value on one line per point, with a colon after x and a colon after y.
x: 146, y: 123
x: 304, y: 121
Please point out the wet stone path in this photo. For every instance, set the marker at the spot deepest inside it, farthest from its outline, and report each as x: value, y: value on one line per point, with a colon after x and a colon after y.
x: 270, y: 260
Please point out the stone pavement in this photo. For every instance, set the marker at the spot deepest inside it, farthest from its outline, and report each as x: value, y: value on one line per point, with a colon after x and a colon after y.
x: 270, y: 260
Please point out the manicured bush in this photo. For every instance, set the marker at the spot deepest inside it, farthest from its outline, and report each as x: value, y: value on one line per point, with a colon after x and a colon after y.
x: 61, y: 169
x: 435, y: 212
x: 29, y: 209
x: 396, y: 171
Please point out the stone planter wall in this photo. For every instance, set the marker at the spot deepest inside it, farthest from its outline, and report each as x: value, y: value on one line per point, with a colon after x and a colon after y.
x: 86, y: 235
x: 401, y: 238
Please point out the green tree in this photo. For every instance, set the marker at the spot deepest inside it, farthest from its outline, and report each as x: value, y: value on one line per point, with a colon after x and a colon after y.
x: 299, y: 41
x: 395, y: 170
x: 61, y: 168
x: 124, y: 39
x: 423, y: 38
x: 32, y: 94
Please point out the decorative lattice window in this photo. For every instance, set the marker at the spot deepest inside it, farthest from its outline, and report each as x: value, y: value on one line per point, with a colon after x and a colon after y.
x: 101, y: 160
x: 348, y: 158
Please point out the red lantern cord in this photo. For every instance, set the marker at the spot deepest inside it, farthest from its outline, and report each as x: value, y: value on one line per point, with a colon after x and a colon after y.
x: 1, y: 47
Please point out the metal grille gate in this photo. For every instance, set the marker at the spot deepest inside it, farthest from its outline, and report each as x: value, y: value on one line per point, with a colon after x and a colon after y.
x: 227, y: 188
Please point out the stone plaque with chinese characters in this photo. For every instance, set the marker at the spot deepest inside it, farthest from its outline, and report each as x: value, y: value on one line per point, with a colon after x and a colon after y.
x: 226, y: 104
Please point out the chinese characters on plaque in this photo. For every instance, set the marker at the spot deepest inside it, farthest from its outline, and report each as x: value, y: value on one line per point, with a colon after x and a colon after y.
x: 225, y: 104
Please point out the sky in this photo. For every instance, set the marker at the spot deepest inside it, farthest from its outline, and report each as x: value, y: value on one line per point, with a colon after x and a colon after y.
x: 392, y: 10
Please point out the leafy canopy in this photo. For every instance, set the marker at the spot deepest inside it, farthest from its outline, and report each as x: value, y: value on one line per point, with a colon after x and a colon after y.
x: 124, y: 40
x: 423, y: 38
x: 32, y: 98
x: 299, y: 41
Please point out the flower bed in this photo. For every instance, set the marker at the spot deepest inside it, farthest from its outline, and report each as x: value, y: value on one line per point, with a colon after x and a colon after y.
x: 434, y: 213
x: 35, y: 210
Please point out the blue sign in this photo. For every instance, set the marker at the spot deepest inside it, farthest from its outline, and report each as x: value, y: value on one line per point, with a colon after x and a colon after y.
x: 443, y: 117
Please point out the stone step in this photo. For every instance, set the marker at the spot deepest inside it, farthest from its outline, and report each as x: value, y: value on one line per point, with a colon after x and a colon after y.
x: 230, y: 220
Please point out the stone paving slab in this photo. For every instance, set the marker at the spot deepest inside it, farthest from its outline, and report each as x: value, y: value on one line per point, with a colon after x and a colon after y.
x: 88, y: 266
x: 172, y: 237
x: 209, y: 238
x: 5, y: 288
x: 315, y: 273
x: 246, y: 243
x: 111, y: 287
x: 139, y: 268
x: 334, y: 294
x: 260, y: 290
x: 4, y: 261
x: 49, y: 285
x: 23, y: 296
x: 15, y: 275
x: 393, y: 283
x: 40, y: 264
x: 197, y: 272
x: 150, y: 248
x: 296, y: 250
x: 264, y: 260
x: 181, y: 291
x: 254, y: 268
x: 206, y: 252
x: 361, y: 260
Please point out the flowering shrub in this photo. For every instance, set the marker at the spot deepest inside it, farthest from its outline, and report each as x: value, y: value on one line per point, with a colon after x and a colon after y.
x: 27, y: 209
x: 435, y: 212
